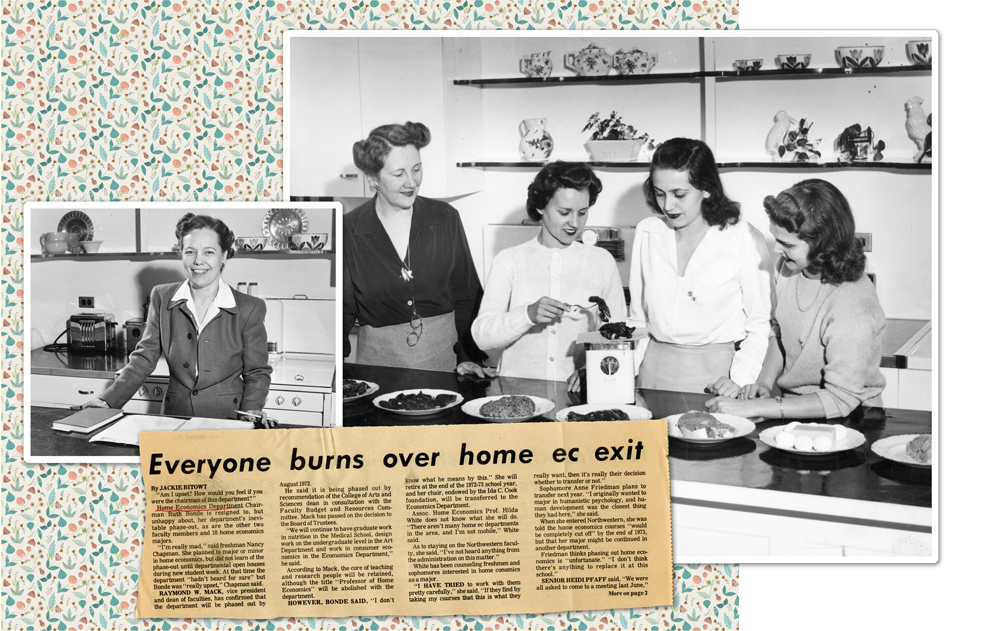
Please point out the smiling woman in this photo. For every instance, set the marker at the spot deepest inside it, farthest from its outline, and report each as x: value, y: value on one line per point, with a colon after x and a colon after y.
x: 213, y: 338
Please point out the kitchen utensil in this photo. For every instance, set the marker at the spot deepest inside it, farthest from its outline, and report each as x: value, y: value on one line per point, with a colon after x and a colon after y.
x: 798, y: 61
x: 860, y: 56
x: 134, y: 329
x: 743, y: 427
x: 280, y: 223
x: 610, y: 367
x: 54, y: 242
x: 78, y: 223
x: 536, y: 141
x: 894, y: 448
x: 536, y: 65
x: 91, y: 247
x: 919, y: 52
x: 582, y: 308
x: 542, y: 406
x: 92, y: 333
x: 852, y: 440
x: 428, y: 391
x: 372, y: 389
x: 635, y: 413
x: 592, y: 61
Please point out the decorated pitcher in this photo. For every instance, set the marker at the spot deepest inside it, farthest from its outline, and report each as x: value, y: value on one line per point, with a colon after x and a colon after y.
x: 537, y: 65
x: 592, y: 61
x: 634, y: 62
x: 536, y: 141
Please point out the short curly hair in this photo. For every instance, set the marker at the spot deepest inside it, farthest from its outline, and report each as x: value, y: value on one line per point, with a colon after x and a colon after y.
x: 820, y: 215
x: 694, y: 157
x: 191, y: 222
x: 558, y: 175
x: 370, y: 153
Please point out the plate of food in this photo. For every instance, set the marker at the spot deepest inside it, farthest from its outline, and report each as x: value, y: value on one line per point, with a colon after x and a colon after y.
x: 812, y: 439
x: 908, y: 449
x: 603, y: 412
x: 418, y: 402
x: 355, y: 389
x: 706, y: 428
x: 508, y: 408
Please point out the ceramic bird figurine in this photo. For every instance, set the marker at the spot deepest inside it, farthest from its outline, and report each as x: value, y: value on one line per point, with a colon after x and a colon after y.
x: 917, y: 127
x: 776, y: 137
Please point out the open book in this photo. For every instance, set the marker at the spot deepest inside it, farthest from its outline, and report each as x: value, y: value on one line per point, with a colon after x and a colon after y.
x: 126, y: 431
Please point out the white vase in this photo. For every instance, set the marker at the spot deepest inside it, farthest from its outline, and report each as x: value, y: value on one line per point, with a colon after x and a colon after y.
x: 536, y: 142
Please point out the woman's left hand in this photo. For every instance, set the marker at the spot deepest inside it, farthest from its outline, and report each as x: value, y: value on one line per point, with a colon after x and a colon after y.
x: 574, y: 382
x: 472, y: 368
x: 725, y: 387
x: 264, y: 422
x: 735, y: 407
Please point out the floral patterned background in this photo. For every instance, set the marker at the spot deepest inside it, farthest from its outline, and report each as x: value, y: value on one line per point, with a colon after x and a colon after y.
x: 181, y: 100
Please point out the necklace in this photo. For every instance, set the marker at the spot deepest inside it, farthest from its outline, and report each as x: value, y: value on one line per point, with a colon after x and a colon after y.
x: 798, y: 299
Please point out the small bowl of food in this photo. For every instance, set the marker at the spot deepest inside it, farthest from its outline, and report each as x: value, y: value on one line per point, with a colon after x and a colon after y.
x: 799, y: 61
x: 748, y: 65
x: 860, y: 56
x: 919, y: 52
x: 251, y: 244
x: 307, y: 242
x: 91, y: 247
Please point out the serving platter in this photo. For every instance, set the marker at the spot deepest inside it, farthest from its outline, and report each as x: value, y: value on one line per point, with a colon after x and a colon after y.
x: 635, y: 413
x: 542, y: 406
x: 894, y: 448
x: 281, y: 223
x: 742, y: 425
x: 851, y: 440
x: 77, y: 222
x: 372, y: 389
x: 428, y: 391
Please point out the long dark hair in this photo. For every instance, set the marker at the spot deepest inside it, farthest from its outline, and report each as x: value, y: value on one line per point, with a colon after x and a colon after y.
x: 820, y: 215
x: 557, y: 175
x: 191, y: 222
x: 370, y: 153
x: 693, y: 156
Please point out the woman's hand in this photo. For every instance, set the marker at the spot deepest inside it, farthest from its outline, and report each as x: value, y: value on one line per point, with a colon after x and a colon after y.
x: 545, y: 310
x: 736, y: 407
x: 725, y: 387
x: 575, y: 380
x: 472, y: 368
x: 93, y: 403
x: 753, y: 391
x: 259, y: 418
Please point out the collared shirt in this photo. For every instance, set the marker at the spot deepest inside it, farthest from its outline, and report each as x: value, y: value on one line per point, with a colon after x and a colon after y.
x: 723, y: 296
x: 224, y: 299
x: 519, y: 277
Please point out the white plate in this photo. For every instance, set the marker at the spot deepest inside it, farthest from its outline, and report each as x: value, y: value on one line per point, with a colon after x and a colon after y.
x: 429, y: 391
x: 372, y: 389
x: 743, y: 427
x: 635, y: 413
x: 852, y: 440
x: 894, y: 448
x: 542, y: 406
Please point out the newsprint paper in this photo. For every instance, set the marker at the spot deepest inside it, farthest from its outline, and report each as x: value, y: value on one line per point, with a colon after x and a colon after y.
x: 430, y: 520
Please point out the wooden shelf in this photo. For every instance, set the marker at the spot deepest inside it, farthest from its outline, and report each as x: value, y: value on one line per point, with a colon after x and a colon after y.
x: 748, y: 166
x: 727, y: 75
x: 142, y: 256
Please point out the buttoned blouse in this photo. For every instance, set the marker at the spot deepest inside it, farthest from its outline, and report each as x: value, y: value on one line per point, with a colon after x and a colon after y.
x: 723, y: 296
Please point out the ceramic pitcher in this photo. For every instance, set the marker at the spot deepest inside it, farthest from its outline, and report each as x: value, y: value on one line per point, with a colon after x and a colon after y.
x: 536, y: 141
x: 537, y: 65
x: 54, y: 242
x: 592, y: 61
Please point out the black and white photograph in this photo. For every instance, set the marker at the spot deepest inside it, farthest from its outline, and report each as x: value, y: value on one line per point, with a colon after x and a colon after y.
x: 737, y: 233
x: 174, y: 317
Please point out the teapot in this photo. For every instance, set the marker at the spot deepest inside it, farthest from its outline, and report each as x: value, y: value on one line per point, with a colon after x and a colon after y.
x: 537, y: 65
x: 634, y: 61
x: 54, y: 242
x: 592, y: 61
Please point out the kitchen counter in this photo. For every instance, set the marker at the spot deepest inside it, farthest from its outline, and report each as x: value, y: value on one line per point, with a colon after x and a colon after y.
x: 64, y: 364
x: 766, y: 500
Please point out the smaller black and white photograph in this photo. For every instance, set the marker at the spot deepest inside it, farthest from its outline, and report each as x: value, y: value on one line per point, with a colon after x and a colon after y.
x: 174, y: 317
x: 734, y: 232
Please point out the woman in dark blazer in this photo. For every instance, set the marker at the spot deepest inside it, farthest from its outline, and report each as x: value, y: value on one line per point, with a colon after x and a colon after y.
x: 213, y: 338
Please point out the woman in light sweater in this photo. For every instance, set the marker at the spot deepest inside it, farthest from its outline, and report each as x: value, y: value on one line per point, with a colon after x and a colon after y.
x: 527, y: 308
x: 827, y: 325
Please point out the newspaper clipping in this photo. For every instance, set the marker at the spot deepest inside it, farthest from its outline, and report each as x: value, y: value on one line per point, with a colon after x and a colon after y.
x: 432, y: 520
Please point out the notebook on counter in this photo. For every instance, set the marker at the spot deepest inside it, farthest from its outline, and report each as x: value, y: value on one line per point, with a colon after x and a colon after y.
x: 87, y: 420
x: 126, y: 431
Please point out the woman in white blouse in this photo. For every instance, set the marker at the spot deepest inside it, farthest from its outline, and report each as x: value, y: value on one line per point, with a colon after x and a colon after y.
x: 699, y: 280
x: 527, y: 309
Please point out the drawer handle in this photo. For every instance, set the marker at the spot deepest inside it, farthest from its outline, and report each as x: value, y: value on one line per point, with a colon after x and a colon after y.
x: 349, y: 176
x: 157, y: 392
x: 85, y: 391
x: 299, y: 378
x: 280, y: 400
x: 296, y: 401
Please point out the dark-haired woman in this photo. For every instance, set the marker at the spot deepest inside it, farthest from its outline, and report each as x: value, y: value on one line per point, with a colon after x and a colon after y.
x: 527, y: 308
x: 409, y: 278
x: 828, y: 325
x: 213, y: 338
x: 699, y: 278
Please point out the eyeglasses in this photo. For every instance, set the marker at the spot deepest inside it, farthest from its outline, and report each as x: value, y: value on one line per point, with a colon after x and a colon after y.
x: 417, y: 324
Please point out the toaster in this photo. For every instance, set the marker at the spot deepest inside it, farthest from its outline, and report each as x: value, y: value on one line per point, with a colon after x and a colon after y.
x: 92, y: 333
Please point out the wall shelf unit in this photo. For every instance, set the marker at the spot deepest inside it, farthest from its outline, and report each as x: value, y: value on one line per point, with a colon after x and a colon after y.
x: 923, y: 167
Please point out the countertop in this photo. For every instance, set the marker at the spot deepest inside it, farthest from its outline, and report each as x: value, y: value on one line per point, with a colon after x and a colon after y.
x: 742, y: 465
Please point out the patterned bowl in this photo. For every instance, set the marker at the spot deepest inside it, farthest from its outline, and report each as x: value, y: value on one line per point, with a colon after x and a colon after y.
x: 860, y: 56
x: 307, y: 242
x: 793, y: 62
x: 748, y: 65
x: 251, y: 244
x: 919, y: 52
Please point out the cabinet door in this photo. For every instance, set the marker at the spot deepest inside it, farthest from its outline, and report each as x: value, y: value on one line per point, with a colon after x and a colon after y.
x: 325, y: 72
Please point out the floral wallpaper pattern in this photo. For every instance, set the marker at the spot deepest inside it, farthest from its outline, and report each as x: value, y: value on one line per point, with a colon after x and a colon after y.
x: 182, y: 101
